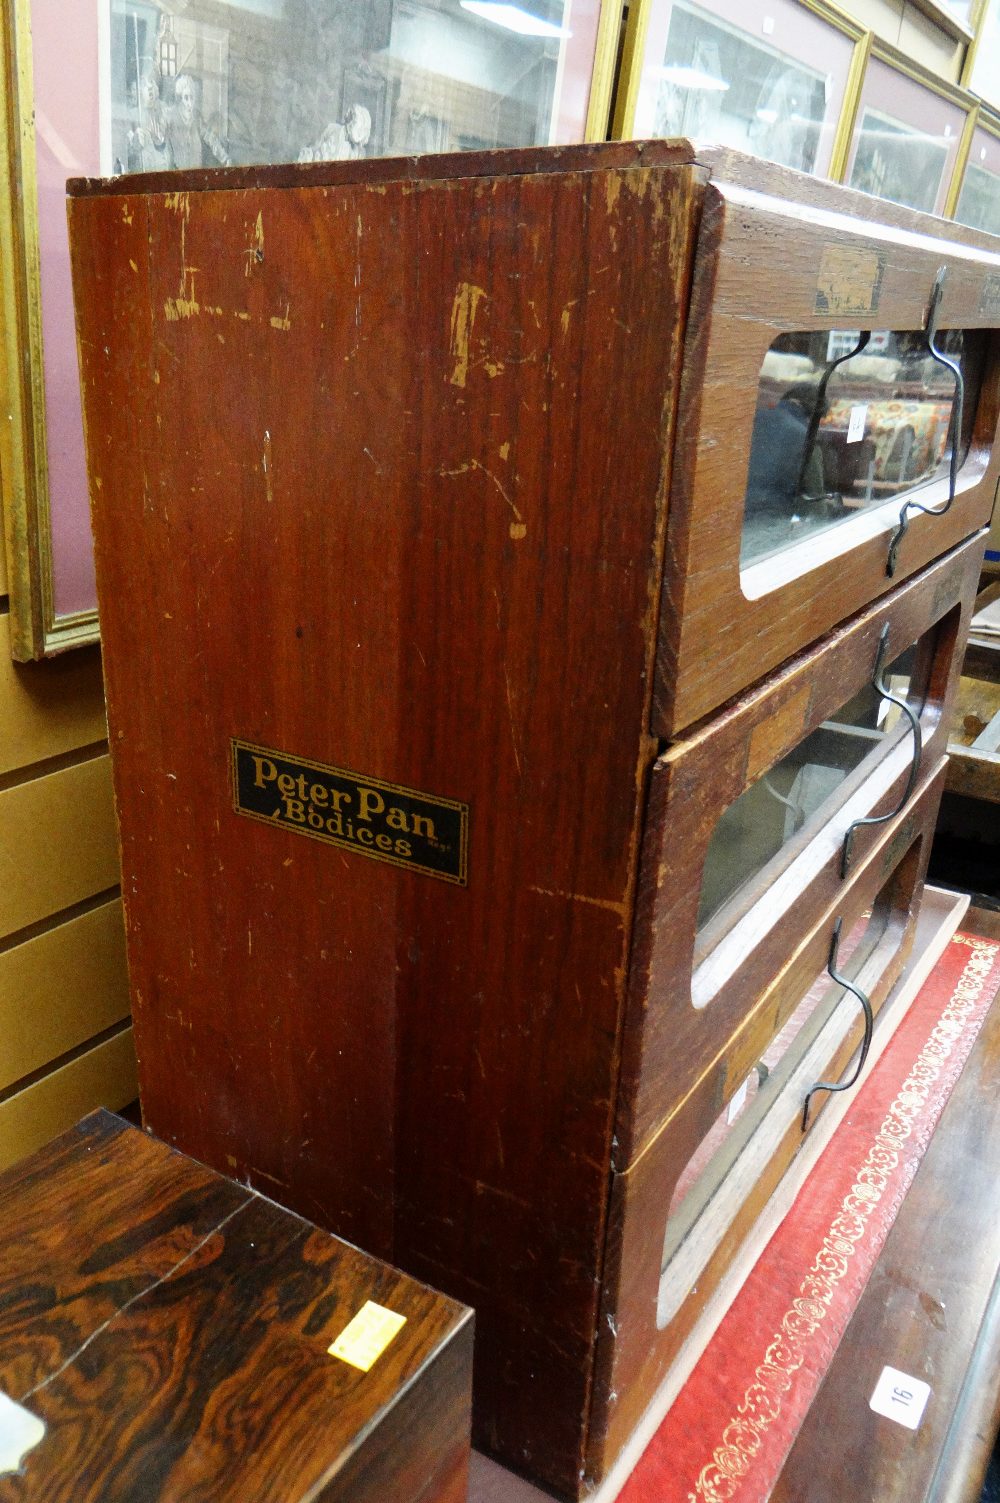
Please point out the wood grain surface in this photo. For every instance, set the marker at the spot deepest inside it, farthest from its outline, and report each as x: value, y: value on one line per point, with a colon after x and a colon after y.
x: 170, y: 1328
x: 931, y: 1310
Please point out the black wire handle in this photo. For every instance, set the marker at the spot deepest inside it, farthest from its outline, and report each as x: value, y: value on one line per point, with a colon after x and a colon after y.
x: 879, y: 686
x: 843, y: 1085
x: 819, y: 409
x: 955, y: 426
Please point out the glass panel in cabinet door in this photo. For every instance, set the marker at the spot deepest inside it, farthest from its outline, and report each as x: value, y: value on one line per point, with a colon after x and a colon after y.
x: 265, y: 81
x: 906, y: 144
x: 779, y: 812
x: 744, y: 1112
x: 846, y: 420
x: 979, y: 200
x: 764, y: 78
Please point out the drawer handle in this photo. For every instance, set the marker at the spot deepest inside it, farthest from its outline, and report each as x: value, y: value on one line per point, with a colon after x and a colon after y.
x: 912, y: 717
x: 819, y: 411
x: 955, y: 426
x: 843, y: 1085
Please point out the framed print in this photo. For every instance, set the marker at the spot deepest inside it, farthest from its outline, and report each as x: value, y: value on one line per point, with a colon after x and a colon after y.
x: 979, y: 196
x: 220, y: 82
x: 768, y: 77
x: 907, y: 138
x: 117, y: 86
x: 982, y: 68
x: 48, y: 132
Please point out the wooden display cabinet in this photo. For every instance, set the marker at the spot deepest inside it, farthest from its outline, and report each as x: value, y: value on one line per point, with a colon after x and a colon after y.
x: 380, y: 461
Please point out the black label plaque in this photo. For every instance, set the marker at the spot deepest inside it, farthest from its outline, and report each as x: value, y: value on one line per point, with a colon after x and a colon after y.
x: 382, y: 820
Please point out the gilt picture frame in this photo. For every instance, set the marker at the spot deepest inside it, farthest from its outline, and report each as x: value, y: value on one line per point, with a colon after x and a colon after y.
x: 120, y: 85
x: 46, y: 123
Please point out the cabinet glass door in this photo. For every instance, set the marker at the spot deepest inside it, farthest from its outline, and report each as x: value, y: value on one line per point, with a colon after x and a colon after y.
x: 848, y: 419
x: 777, y: 813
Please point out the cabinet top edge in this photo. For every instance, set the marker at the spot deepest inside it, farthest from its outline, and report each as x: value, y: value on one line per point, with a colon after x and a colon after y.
x: 724, y: 166
x: 375, y: 171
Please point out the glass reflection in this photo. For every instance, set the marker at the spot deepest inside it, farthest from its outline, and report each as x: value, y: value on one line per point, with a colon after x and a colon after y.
x: 979, y: 202
x: 895, y: 161
x: 719, y: 83
x: 205, y: 83
x: 837, y: 432
x: 795, y: 795
x: 734, y: 1126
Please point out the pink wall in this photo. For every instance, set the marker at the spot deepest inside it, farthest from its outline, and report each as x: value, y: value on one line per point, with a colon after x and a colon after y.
x: 64, y: 40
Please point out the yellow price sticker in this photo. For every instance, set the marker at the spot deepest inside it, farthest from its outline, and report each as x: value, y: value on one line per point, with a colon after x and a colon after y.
x: 365, y: 1338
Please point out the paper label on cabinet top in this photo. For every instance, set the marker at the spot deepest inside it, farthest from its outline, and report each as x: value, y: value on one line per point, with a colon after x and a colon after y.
x: 20, y: 1432
x: 989, y: 298
x: 899, y: 1397
x: 364, y: 1339
x: 850, y: 280
x: 384, y: 821
x: 856, y: 423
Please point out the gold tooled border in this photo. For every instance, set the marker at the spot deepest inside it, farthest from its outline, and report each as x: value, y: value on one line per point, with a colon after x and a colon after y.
x: 761, y: 1404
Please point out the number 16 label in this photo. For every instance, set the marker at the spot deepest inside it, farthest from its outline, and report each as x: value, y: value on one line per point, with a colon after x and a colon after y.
x: 899, y: 1397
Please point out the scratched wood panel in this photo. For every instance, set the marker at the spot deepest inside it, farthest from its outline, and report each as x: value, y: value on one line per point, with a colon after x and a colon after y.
x: 48, y: 709
x: 722, y: 629
x: 371, y: 418
x: 61, y: 988
x: 102, y: 1076
x: 154, y: 1310
x: 57, y: 843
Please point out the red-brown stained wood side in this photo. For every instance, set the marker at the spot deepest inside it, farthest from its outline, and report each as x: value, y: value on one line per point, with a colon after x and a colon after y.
x: 668, y: 1041
x: 634, y: 1355
x: 929, y: 1310
x: 756, y: 277
x: 359, y: 496
x: 205, y: 1374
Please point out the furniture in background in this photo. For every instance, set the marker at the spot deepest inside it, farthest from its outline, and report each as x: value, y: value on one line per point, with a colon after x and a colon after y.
x: 167, y: 1333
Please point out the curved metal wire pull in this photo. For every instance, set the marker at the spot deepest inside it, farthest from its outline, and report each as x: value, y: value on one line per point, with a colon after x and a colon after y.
x: 880, y: 819
x: 819, y: 407
x: 843, y: 1085
x: 955, y: 426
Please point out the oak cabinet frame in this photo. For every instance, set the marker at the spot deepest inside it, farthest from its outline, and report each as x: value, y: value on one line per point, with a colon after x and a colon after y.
x: 636, y: 1350
x: 764, y: 267
x: 668, y: 1040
